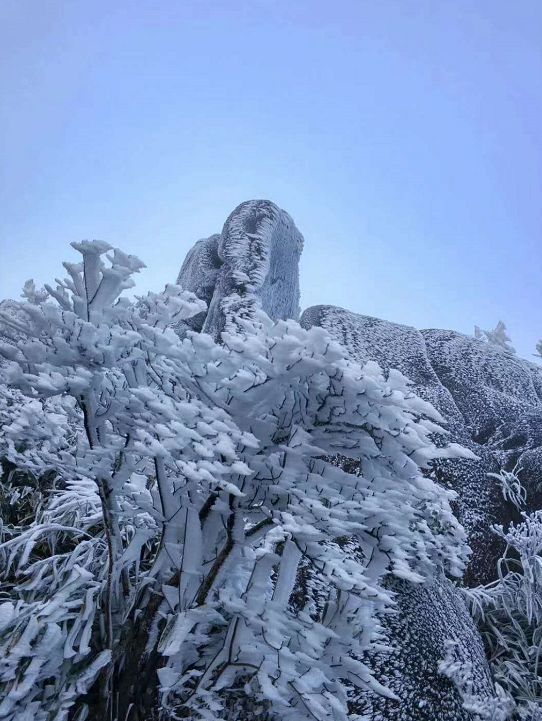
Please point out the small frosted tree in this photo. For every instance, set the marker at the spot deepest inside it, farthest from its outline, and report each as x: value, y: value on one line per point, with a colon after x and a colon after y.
x: 187, y: 482
x: 498, y: 337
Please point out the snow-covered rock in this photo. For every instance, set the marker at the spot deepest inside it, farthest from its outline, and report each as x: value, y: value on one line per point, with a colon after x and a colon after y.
x: 389, y: 344
x: 428, y: 620
x: 199, y: 274
x: 428, y: 616
x: 252, y: 264
x: 490, y: 399
x: 490, y: 386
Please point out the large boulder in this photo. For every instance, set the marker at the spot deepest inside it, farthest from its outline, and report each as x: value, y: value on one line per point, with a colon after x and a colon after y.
x: 431, y: 623
x: 253, y: 264
x: 490, y: 386
x: 427, y: 617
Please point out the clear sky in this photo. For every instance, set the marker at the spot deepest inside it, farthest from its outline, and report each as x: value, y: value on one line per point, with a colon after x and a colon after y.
x: 403, y: 136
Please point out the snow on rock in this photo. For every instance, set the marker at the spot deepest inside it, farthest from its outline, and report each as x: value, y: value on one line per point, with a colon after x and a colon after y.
x: 199, y: 273
x: 428, y: 619
x: 389, y: 344
x: 499, y: 399
x: 489, y: 398
x: 490, y: 385
x: 251, y: 265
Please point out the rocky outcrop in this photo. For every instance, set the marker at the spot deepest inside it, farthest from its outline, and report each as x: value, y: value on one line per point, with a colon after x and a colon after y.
x: 427, y: 621
x: 253, y: 264
x: 490, y: 401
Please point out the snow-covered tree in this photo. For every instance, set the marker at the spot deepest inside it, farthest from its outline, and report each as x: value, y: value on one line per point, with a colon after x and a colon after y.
x: 498, y: 336
x: 179, y: 487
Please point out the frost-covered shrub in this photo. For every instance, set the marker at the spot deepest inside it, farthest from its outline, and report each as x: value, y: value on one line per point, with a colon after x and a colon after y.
x: 509, y: 614
x: 189, y: 480
x: 511, y: 486
x: 498, y: 337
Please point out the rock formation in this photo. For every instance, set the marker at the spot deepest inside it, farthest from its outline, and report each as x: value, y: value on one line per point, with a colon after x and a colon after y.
x: 491, y: 403
x: 252, y: 264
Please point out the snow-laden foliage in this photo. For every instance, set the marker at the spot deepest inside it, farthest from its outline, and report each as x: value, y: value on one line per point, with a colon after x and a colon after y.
x: 509, y: 614
x: 511, y: 486
x: 179, y: 485
x: 498, y: 336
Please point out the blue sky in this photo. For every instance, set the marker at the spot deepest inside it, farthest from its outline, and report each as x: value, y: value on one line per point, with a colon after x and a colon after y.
x: 404, y: 137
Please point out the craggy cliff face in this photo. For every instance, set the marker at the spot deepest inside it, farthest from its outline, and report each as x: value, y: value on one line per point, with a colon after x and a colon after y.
x: 490, y: 401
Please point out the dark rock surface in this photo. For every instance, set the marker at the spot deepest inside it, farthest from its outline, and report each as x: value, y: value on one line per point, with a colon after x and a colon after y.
x: 428, y: 618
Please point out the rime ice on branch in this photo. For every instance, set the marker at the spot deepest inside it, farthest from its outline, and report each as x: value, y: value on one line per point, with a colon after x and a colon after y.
x: 188, y: 480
